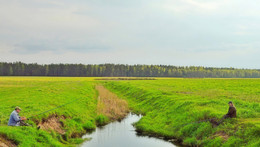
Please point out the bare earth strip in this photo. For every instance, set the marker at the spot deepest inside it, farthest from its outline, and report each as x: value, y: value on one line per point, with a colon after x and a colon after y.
x: 111, y: 105
x: 6, y: 143
x: 52, y: 123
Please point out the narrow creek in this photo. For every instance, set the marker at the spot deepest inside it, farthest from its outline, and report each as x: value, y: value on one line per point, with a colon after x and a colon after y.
x: 122, y: 134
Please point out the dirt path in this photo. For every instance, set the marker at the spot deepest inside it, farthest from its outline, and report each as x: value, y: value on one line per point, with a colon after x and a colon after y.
x: 111, y: 105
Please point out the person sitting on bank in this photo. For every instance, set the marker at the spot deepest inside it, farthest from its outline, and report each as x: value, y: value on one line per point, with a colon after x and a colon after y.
x: 232, y: 112
x: 15, y: 119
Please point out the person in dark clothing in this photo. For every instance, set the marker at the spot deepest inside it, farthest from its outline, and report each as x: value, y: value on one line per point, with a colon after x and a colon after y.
x: 232, y: 112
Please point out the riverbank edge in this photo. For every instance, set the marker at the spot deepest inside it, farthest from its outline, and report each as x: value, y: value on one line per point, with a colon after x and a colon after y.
x: 172, y: 139
x: 61, y: 137
x: 137, y: 98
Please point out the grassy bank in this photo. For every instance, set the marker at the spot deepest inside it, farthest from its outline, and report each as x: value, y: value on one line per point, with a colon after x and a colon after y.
x: 37, y: 94
x: 87, y: 105
x: 169, y: 105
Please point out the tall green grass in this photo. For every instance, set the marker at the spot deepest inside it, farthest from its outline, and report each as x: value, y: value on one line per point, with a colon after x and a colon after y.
x: 171, y: 105
x: 168, y: 105
x: 38, y: 94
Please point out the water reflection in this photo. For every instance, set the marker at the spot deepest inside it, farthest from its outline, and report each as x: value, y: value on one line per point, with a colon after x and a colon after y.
x: 122, y: 134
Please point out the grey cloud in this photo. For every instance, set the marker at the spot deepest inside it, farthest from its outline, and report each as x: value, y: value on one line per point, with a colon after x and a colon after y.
x: 182, y: 32
x: 58, y: 47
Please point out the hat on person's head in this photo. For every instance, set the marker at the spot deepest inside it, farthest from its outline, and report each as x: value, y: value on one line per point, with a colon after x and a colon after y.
x: 230, y: 102
x: 17, y: 108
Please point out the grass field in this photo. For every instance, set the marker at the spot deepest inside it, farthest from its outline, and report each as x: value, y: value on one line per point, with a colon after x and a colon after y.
x: 168, y: 106
x: 35, y: 95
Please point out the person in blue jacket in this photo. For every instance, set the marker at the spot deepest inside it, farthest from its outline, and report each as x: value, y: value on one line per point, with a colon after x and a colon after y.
x: 15, y: 119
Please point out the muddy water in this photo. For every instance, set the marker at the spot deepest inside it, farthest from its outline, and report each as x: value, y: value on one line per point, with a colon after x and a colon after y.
x: 122, y: 134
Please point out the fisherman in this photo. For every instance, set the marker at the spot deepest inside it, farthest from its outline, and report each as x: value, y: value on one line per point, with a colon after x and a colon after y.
x: 232, y: 112
x: 15, y: 119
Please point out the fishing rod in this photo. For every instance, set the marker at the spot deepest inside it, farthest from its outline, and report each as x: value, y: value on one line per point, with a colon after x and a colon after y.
x: 53, y: 109
x: 200, y: 121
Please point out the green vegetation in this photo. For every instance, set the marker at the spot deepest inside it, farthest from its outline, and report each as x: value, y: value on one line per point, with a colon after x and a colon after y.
x: 102, y: 120
x: 170, y: 105
x: 35, y: 95
x: 121, y: 70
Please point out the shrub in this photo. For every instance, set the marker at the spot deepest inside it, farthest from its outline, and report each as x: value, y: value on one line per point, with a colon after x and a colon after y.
x: 101, y: 120
x: 89, y: 125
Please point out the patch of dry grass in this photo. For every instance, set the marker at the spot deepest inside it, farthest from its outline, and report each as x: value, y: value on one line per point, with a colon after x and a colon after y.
x: 126, y: 78
x: 222, y: 134
x: 52, y: 123
x: 4, y: 142
x: 110, y: 105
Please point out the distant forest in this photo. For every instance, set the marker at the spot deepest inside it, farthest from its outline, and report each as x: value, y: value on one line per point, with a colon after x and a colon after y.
x: 122, y: 70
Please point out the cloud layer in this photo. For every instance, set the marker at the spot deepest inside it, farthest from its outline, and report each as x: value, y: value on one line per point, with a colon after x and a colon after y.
x: 221, y: 33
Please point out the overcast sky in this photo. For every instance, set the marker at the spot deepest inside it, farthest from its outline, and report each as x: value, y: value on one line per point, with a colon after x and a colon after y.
x: 217, y: 33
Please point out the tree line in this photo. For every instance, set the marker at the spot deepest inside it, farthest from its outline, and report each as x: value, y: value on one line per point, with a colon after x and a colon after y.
x: 122, y: 70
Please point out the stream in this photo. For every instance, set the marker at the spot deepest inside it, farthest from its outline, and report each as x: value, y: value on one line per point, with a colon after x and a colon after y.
x: 122, y: 134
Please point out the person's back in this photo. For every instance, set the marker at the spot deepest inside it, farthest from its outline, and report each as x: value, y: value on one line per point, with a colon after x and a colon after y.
x: 14, y: 119
x: 232, y: 112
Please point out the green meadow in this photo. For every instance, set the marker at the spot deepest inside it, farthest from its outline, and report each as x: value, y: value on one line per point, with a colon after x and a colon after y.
x: 36, y: 95
x: 169, y: 105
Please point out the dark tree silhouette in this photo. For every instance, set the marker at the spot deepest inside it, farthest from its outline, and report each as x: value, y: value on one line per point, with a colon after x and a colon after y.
x: 121, y: 70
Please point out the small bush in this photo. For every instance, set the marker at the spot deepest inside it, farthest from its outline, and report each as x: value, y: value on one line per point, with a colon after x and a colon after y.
x: 89, y: 125
x: 101, y: 120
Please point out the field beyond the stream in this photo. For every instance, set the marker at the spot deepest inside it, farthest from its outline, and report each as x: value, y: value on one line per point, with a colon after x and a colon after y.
x: 170, y: 107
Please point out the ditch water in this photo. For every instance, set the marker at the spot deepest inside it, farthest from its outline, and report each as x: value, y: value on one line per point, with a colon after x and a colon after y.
x: 122, y: 134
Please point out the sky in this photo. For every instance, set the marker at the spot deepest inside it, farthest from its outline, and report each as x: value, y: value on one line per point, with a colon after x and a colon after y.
x: 212, y: 33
